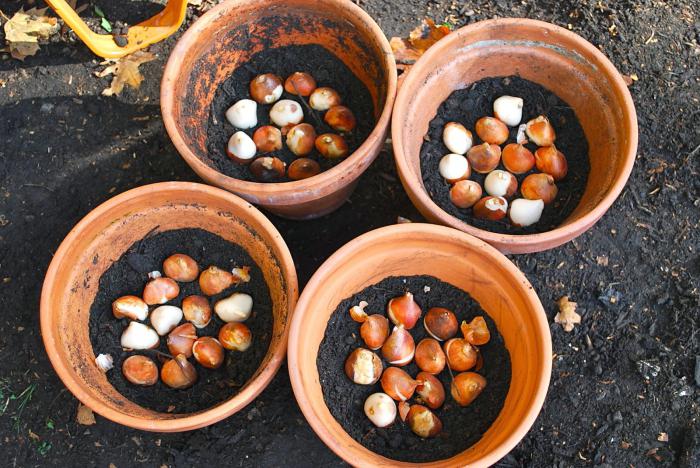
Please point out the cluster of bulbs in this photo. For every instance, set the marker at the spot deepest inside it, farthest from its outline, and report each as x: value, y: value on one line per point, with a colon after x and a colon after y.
x: 182, y: 340
x: 537, y: 189
x: 287, y: 116
x: 363, y: 366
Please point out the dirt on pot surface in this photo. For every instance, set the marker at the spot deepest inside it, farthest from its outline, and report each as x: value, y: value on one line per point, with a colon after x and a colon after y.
x: 129, y: 274
x: 462, y: 427
x: 623, y: 380
x: 326, y: 69
x: 468, y: 105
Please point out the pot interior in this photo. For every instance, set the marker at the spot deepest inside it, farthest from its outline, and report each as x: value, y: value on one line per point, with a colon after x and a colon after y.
x: 219, y: 45
x: 104, y: 240
x: 551, y: 59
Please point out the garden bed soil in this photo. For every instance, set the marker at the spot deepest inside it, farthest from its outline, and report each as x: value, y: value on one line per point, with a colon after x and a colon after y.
x: 129, y: 274
x: 468, y: 105
x: 462, y: 426
x: 327, y: 70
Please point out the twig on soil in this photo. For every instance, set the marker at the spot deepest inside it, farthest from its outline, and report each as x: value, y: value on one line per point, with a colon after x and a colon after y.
x: 36, y: 186
x: 693, y: 153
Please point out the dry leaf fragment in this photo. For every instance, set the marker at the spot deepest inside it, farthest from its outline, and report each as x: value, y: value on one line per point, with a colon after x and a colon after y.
x: 25, y: 28
x: 407, y: 51
x: 567, y: 316
x: 663, y: 437
x: 85, y: 415
x: 125, y: 71
x: 33, y: 435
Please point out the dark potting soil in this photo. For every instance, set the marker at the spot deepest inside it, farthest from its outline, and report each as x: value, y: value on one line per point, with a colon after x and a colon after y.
x: 468, y: 105
x: 462, y: 427
x: 129, y: 274
x: 327, y: 70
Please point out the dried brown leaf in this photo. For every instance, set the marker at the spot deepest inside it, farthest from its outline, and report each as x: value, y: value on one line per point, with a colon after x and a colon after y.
x: 125, y: 71
x: 85, y: 415
x: 408, y: 50
x: 567, y: 316
x: 25, y: 28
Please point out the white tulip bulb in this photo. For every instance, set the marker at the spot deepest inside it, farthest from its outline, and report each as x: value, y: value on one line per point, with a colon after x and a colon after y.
x: 286, y: 112
x: 243, y: 114
x: 165, y: 318
x: 509, y: 110
x: 454, y: 167
x: 457, y: 138
x: 139, y: 336
x: 380, y: 409
x: 235, y: 308
x: 241, y: 147
x: 525, y: 212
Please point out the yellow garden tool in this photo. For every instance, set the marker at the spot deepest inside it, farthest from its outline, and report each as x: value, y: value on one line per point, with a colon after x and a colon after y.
x: 141, y: 35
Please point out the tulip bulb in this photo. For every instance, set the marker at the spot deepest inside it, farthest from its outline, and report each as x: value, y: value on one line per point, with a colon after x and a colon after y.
x: 404, y: 311
x: 500, y: 184
x: 484, y: 158
x: 493, y: 208
x: 165, y: 318
x: 131, y: 307
x: 466, y: 387
x: 324, y: 98
x: 243, y: 114
x: 235, y: 308
x: 267, y: 139
x: 286, y: 112
x: 266, y: 88
x: 374, y: 331
x: 524, y: 212
x: 461, y: 356
x: 399, y: 348
x: 208, y: 352
x: 423, y: 422
x: 140, y: 370
x: 517, y: 159
x: 197, y: 310
x: 241, y: 148
x: 476, y: 332
x: 440, y: 323
x: 398, y: 384
x: 457, y: 138
x: 454, y: 167
x: 363, y: 367
x: 300, y: 83
x: 160, y: 291
x: 509, y: 110
x: 300, y: 139
x: 181, y: 339
x: 465, y: 193
x: 430, y: 391
x: 380, y: 409
x: 139, y: 336
x: 429, y: 356
x: 331, y: 146
x: 539, y: 187
x: 551, y: 161
x: 268, y: 169
x: 235, y: 336
x: 303, y: 168
x: 340, y: 119
x: 491, y: 130
x: 178, y: 373
x: 181, y: 267
x: 104, y: 362
x: 214, y: 280
x: 540, y: 131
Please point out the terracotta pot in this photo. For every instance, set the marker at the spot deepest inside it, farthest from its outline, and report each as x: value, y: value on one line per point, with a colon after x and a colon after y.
x: 227, y: 36
x: 102, y: 237
x: 456, y: 258
x: 553, y: 57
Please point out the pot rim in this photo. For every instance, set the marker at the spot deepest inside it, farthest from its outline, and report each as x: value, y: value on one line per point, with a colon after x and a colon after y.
x: 438, y: 233
x: 283, y: 192
x: 524, y: 242
x: 194, y: 420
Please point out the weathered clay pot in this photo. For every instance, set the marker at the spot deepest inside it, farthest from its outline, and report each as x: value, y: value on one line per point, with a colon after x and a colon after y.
x: 553, y: 57
x: 225, y: 37
x: 102, y: 237
x: 453, y: 257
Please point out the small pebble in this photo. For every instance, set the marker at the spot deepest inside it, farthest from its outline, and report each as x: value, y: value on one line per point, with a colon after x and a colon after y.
x: 121, y: 41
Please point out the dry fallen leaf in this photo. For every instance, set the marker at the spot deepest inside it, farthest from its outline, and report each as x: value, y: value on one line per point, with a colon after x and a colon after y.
x: 663, y: 437
x: 125, y: 71
x: 85, y: 415
x: 567, y: 316
x: 33, y: 435
x: 25, y: 28
x: 407, y: 51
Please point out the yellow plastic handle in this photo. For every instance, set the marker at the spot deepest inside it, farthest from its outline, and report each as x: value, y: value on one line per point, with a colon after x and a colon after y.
x: 141, y: 35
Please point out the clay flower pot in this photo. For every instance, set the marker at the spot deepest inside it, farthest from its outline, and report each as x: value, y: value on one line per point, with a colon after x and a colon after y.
x: 102, y: 237
x: 553, y: 57
x: 227, y: 36
x: 456, y: 258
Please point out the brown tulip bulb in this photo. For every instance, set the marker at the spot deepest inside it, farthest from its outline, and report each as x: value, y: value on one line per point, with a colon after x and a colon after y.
x: 461, y: 356
x: 178, y: 373
x: 214, y: 280
x: 491, y: 130
x: 466, y: 387
x: 268, y: 139
x: 429, y: 356
x: 266, y: 88
x: 540, y: 131
x: 517, y: 159
x: 440, y: 323
x: 363, y: 367
x: 300, y: 83
x: 267, y: 169
x: 181, y: 339
x: 476, y: 332
x: 197, y: 310
x: 404, y: 310
x: 374, y: 331
x: 208, y: 352
x: 341, y: 119
x: 140, y: 370
x: 465, y: 193
x: 331, y: 146
x: 235, y: 336
x: 398, y: 384
x: 399, y: 348
x: 131, y: 307
x: 160, y: 290
x: 539, y: 187
x: 484, y: 158
x: 493, y: 208
x: 430, y: 391
x: 303, y: 168
x: 551, y: 161
x: 423, y: 422
x: 300, y: 139
x: 181, y: 267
